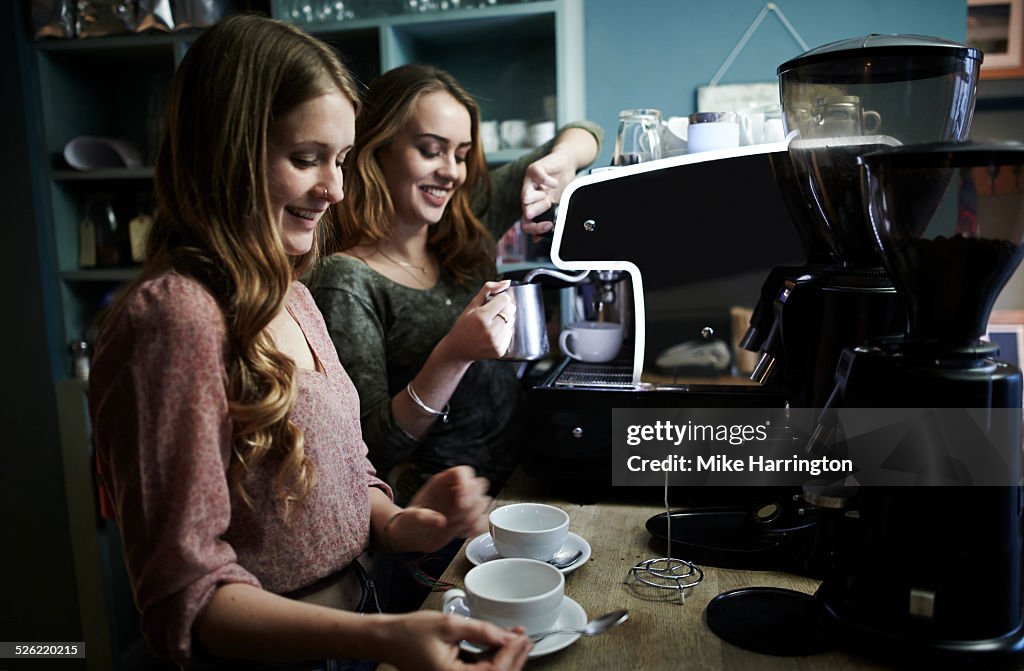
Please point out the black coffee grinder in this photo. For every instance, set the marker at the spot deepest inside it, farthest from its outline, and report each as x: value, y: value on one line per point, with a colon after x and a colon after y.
x: 841, y: 100
x: 934, y: 572
x: 925, y: 574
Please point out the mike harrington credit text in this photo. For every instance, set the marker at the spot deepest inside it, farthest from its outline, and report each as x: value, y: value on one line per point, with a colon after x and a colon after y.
x: 734, y: 434
x: 785, y: 446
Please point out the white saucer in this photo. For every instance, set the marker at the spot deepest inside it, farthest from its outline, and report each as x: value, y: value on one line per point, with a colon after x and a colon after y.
x: 481, y: 549
x: 570, y: 615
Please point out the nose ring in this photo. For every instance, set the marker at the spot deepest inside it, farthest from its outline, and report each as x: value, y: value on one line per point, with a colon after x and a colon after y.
x: 325, y: 193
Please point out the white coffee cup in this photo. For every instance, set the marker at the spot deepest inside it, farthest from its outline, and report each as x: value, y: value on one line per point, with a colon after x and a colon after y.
x: 541, y: 132
x: 510, y: 593
x: 513, y: 133
x: 591, y: 341
x: 489, y: 138
x: 529, y: 530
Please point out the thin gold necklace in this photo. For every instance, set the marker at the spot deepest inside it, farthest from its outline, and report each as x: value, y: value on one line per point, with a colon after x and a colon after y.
x: 405, y: 265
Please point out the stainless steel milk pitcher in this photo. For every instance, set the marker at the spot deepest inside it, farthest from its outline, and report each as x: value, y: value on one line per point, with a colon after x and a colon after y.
x: 530, y: 329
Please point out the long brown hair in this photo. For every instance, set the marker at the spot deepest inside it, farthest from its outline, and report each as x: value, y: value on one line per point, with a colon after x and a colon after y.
x: 213, y: 219
x: 463, y: 246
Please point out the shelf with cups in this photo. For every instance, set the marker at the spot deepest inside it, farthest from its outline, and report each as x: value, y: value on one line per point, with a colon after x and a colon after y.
x: 101, y: 101
x: 106, y: 87
x: 95, y: 215
x: 522, y: 60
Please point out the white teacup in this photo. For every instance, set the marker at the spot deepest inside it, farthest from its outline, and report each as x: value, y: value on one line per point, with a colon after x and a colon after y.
x: 510, y: 593
x: 591, y: 341
x: 530, y: 530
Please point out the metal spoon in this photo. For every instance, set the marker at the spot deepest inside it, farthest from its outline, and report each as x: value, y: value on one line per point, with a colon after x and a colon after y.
x: 598, y: 625
x: 561, y: 562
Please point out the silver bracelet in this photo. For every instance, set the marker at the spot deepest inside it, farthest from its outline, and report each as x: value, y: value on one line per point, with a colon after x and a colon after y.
x: 443, y: 414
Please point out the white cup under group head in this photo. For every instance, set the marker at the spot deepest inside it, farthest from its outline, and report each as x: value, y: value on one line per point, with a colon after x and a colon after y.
x: 530, y: 530
x: 591, y: 341
x: 510, y: 593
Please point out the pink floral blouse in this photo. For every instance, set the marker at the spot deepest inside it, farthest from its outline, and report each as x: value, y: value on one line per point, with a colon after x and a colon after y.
x: 162, y: 435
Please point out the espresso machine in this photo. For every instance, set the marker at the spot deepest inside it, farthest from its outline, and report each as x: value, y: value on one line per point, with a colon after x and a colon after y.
x: 658, y: 237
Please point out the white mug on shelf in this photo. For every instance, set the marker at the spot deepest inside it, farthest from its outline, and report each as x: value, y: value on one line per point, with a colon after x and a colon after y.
x: 489, y: 137
x: 541, y: 132
x: 513, y: 133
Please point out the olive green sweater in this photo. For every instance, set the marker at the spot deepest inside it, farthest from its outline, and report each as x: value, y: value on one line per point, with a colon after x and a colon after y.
x: 385, y: 331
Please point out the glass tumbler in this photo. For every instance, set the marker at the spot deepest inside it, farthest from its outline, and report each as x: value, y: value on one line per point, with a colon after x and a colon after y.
x: 639, y: 137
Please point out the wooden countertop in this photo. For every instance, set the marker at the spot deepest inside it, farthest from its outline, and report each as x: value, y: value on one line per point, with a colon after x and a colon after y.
x: 660, y: 633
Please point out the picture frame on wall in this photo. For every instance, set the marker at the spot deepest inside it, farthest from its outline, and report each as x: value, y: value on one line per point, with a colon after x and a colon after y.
x: 997, y: 28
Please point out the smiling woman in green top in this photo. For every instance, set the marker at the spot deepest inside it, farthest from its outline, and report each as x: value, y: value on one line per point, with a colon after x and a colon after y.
x: 405, y: 293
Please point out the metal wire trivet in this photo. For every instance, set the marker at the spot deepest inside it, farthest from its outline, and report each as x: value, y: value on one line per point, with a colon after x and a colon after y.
x: 667, y: 572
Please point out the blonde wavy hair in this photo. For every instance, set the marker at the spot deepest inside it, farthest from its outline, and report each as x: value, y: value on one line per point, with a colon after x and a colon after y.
x: 214, y: 221
x: 463, y: 246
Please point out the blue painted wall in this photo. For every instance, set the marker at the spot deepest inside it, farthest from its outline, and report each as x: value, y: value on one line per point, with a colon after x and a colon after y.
x: 655, y: 53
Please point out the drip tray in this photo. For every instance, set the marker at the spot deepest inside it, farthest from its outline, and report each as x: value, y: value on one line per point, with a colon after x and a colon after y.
x: 578, y: 374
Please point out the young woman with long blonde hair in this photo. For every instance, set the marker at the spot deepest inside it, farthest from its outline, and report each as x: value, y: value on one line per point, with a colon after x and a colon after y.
x: 226, y: 430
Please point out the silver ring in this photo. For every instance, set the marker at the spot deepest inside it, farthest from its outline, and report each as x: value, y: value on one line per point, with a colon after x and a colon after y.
x: 325, y: 193
x: 503, y: 317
